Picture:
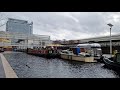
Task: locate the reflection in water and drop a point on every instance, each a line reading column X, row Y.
column 28, row 66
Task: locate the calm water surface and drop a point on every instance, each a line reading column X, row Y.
column 28, row 66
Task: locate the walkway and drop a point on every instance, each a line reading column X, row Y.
column 2, row 73
column 6, row 70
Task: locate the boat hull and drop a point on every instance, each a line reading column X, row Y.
column 111, row 64
column 77, row 58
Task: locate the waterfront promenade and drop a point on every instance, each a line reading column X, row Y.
column 2, row 73
column 6, row 70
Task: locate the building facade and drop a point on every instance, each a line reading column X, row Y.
column 19, row 26
column 23, row 41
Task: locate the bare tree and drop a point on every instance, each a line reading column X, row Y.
column 3, row 17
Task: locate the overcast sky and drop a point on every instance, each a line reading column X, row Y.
column 69, row 25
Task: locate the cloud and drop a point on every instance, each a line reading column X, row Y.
column 70, row 25
column 68, row 14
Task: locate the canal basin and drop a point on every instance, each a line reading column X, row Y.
column 29, row 66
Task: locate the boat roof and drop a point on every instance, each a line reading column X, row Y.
column 89, row 45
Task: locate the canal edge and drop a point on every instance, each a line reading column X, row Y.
column 9, row 72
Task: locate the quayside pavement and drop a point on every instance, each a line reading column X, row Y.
column 6, row 70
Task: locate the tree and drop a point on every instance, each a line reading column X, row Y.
column 3, row 17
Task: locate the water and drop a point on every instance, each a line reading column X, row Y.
column 28, row 66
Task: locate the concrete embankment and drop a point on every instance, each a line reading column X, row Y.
column 9, row 72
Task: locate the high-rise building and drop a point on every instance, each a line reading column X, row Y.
column 19, row 26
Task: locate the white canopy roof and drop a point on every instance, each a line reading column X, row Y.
column 89, row 45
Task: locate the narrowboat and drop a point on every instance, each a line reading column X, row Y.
column 47, row 53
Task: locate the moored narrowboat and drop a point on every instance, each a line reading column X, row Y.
column 47, row 53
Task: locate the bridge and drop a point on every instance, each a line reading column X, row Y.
column 104, row 41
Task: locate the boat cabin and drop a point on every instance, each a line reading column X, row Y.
column 66, row 52
column 94, row 48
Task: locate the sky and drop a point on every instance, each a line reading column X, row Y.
column 68, row 25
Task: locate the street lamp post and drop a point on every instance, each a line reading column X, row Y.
column 110, row 39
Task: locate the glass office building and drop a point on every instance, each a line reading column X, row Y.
column 20, row 26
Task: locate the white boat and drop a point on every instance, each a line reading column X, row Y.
column 94, row 48
column 69, row 55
